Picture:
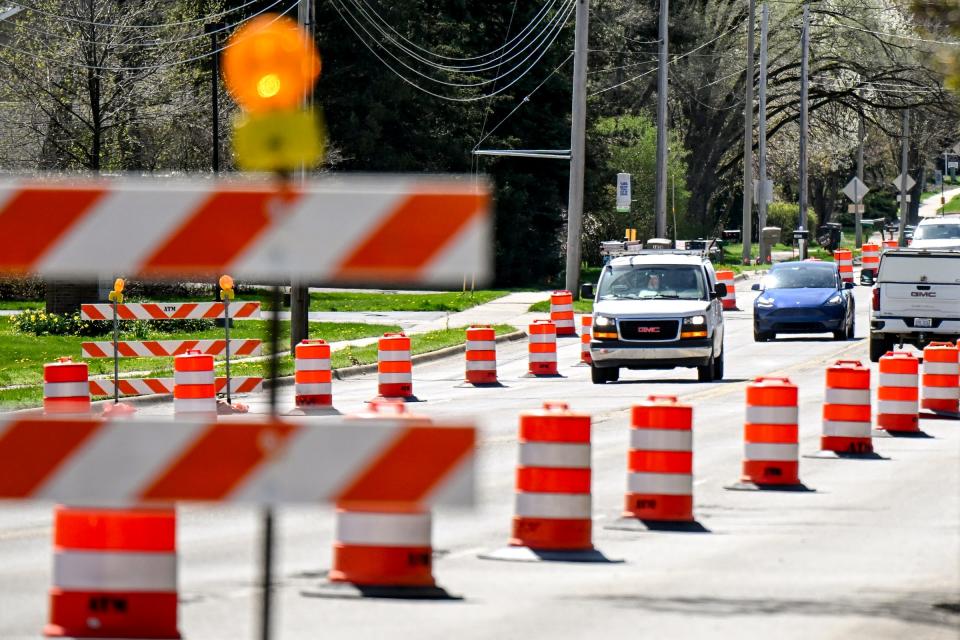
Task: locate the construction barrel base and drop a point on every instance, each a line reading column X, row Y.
column 753, row 486
column 526, row 554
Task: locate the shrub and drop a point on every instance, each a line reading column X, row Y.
column 41, row 323
column 21, row 289
column 786, row 215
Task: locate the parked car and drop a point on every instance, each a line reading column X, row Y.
column 940, row 232
column 916, row 299
column 803, row 297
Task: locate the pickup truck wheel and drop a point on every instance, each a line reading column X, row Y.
column 597, row 375
column 878, row 346
column 613, row 374
column 705, row 373
column 718, row 367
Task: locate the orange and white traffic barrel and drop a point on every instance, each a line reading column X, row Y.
column 481, row 355
column 941, row 377
column 561, row 313
column 394, row 366
column 897, row 393
column 586, row 334
column 313, row 385
column 66, row 387
column 870, row 258
column 847, row 421
column 727, row 278
column 114, row 574
column 553, row 503
column 542, row 349
column 771, row 433
column 194, row 386
column 890, row 244
column 382, row 547
column 844, row 260
column 660, row 461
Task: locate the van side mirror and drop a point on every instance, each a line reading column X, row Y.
column 866, row 278
column 720, row 290
column 848, row 285
column 755, row 286
column 586, row 291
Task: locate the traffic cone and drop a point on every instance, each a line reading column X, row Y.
column 847, row 419
column 542, row 348
column 561, row 313
column 194, row 386
column 114, row 574
column 729, row 301
column 660, row 467
column 586, row 335
column 554, row 518
column 313, row 381
column 378, row 552
column 897, row 394
column 771, row 437
column 941, row 380
column 66, row 388
column 394, row 367
column 481, row 355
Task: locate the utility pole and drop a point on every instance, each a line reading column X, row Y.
column 578, row 124
column 213, row 29
column 300, row 294
column 748, row 140
column 904, row 172
column 762, row 178
column 858, row 216
column 661, row 197
column 804, row 97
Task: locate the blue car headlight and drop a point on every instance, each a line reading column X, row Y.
column 834, row 300
column 766, row 303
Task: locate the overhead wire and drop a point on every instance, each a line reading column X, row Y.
column 151, row 67
column 155, row 43
column 555, row 23
column 510, row 44
column 401, row 76
column 165, row 25
column 672, row 60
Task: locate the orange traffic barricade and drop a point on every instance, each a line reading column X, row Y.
column 561, row 313
column 313, row 386
column 66, row 387
column 728, row 278
column 194, row 387
column 586, row 335
column 897, row 393
column 481, row 355
column 870, row 258
column 847, row 420
column 542, row 348
column 394, row 366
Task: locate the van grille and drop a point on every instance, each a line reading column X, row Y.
column 649, row 330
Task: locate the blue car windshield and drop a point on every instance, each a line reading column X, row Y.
column 646, row 282
column 800, row 278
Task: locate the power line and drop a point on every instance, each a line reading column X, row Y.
column 156, row 43
column 675, row 58
column 153, row 67
column 510, row 44
column 210, row 18
column 335, row 4
column 555, row 22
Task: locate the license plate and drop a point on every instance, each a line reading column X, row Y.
column 923, row 322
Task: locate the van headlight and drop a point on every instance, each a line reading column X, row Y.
column 694, row 321
column 603, row 321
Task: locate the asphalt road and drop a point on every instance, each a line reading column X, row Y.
column 874, row 552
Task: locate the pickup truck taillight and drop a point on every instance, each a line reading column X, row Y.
column 876, row 298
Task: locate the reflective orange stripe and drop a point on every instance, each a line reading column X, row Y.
column 846, row 413
column 661, row 461
column 897, row 393
column 772, row 433
column 551, row 480
column 108, row 529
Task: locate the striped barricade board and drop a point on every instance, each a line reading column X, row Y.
column 168, row 348
column 152, row 386
column 170, row 311
column 381, row 230
column 109, row 462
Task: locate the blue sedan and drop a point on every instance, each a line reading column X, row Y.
column 803, row 297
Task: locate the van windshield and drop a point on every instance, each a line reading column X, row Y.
column 681, row 282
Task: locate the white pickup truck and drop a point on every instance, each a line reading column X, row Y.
column 916, row 299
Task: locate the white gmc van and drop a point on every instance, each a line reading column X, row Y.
column 916, row 299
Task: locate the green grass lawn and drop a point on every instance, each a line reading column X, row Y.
column 17, row 305
column 340, row 301
column 22, row 356
column 29, row 372
column 579, row 306
column 953, row 205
